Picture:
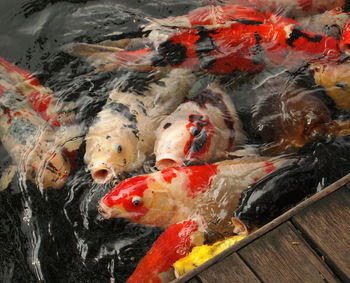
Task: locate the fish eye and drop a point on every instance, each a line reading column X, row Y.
column 118, row 148
column 342, row 85
column 136, row 200
column 194, row 131
column 167, row 125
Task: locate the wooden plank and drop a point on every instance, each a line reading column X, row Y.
column 193, row 280
column 327, row 224
column 268, row 227
column 282, row 255
column 231, row 269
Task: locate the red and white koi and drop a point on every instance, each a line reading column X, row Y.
column 244, row 42
column 293, row 8
column 40, row 98
column 205, row 128
column 43, row 155
column 123, row 137
column 208, row 193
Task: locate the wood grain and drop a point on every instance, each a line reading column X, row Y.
column 282, row 255
column 231, row 269
column 327, row 224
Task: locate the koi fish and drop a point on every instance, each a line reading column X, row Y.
column 331, row 22
column 43, row 155
column 335, row 78
column 320, row 165
column 244, row 44
column 204, row 128
column 122, row 136
column 287, row 116
column 200, row 196
column 41, row 99
column 293, row 8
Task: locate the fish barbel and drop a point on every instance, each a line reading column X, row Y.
column 203, row 128
column 122, row 136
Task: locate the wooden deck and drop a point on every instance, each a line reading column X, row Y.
column 309, row 243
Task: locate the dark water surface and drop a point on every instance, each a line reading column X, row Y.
column 57, row 236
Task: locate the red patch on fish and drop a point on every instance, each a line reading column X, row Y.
column 173, row 244
column 306, row 5
column 123, row 193
column 169, row 174
column 269, row 167
column 200, row 178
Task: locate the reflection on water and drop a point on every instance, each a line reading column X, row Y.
column 58, row 235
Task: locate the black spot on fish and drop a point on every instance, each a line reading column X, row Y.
column 124, row 110
column 199, row 142
column 209, row 96
column 169, row 53
column 204, row 45
column 248, row 22
column 143, row 109
column 124, row 161
column 297, row 33
column 167, row 125
column 207, row 62
column 108, row 137
column 22, row 129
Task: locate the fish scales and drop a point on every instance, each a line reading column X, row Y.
column 122, row 136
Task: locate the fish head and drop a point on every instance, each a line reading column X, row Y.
column 109, row 152
column 182, row 140
column 141, row 199
column 335, row 78
column 47, row 169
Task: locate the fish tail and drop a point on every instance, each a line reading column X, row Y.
column 175, row 243
column 342, row 128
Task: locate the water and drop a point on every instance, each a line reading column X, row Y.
column 58, row 236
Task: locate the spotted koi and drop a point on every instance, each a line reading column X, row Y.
column 204, row 128
column 122, row 136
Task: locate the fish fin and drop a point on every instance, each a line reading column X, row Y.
column 110, row 58
column 170, row 22
column 7, row 177
column 175, row 243
column 239, row 227
column 243, row 152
